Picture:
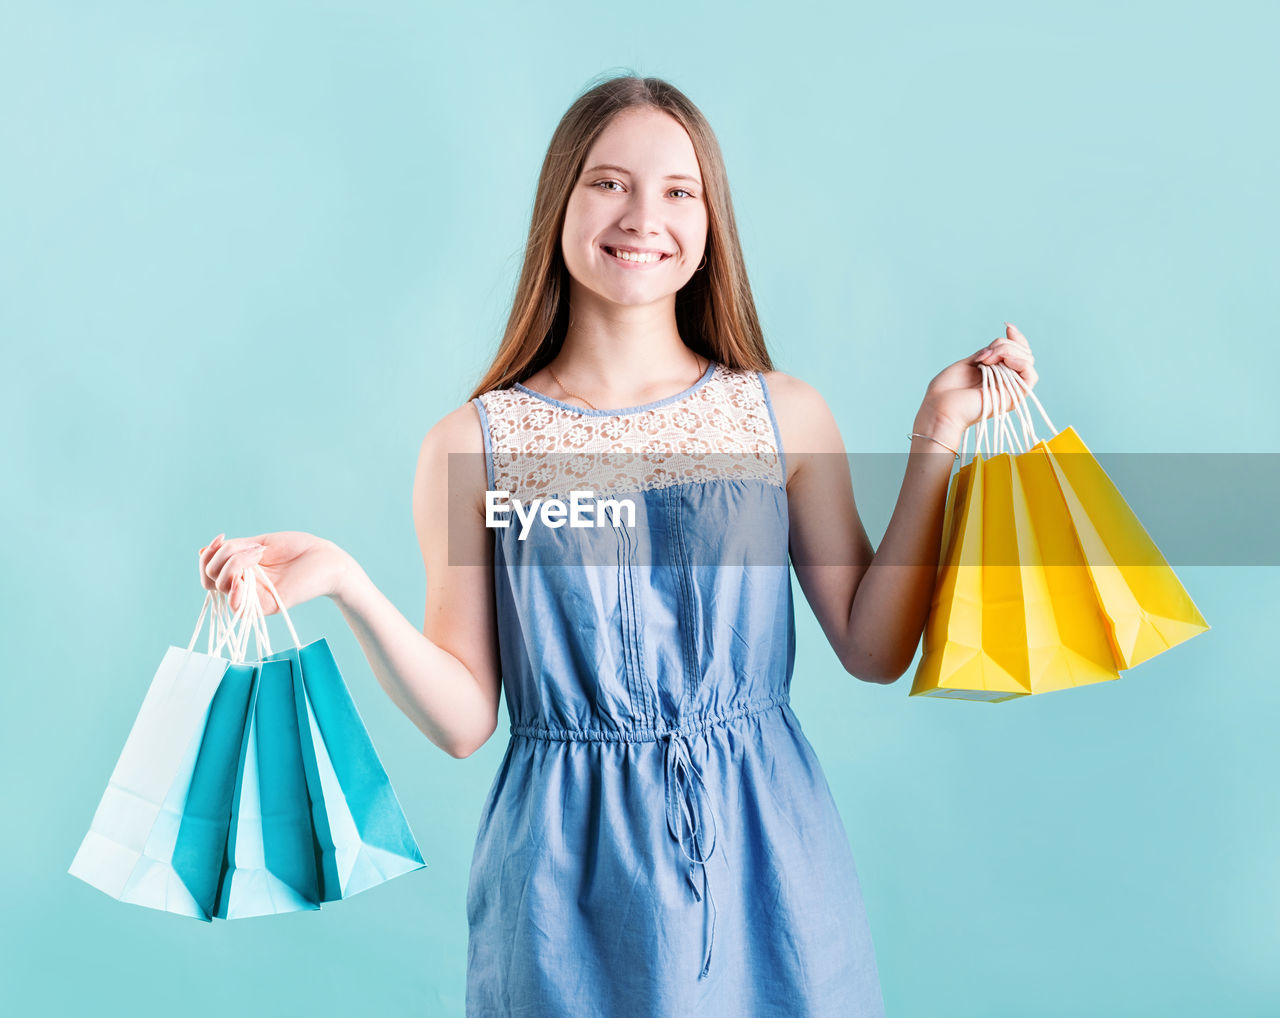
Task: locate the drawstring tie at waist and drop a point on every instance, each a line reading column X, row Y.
column 686, row 794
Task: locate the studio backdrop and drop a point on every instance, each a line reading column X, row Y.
column 250, row 253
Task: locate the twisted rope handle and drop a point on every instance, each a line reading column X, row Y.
column 981, row 441
column 989, row 442
column 231, row 630
column 1006, row 394
column 1017, row 380
column 1000, row 382
column 1019, row 405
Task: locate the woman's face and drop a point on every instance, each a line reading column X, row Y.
column 640, row 194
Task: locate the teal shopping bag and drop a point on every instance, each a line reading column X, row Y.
column 199, row 856
column 362, row 836
column 270, row 858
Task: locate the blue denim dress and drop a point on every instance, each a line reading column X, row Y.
column 660, row 838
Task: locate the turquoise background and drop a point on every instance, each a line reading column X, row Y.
column 251, row 252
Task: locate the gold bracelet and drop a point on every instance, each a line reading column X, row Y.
column 944, row 445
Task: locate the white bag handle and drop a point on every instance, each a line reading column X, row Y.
column 252, row 621
column 999, row 419
column 208, row 598
column 232, row 630
column 981, row 440
column 1006, row 393
column 1000, row 381
column 1019, row 400
column 219, row 623
column 1004, row 377
column 1017, row 380
column 993, row 441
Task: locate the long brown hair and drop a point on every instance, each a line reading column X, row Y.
column 715, row 312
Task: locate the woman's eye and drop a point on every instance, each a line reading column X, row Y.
column 611, row 185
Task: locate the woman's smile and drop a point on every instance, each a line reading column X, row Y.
column 633, row 258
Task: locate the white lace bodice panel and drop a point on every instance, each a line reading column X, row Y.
column 721, row 428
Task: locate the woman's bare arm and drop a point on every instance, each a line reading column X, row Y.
column 871, row 604
column 445, row 678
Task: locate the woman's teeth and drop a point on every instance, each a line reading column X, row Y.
column 630, row 256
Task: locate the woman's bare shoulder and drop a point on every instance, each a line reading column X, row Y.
column 784, row 388
column 459, row 430
column 804, row 419
column 453, row 452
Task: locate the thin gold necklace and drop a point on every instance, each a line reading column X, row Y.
column 584, row 399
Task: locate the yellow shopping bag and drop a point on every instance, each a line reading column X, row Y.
column 1009, row 618
column 1047, row 580
column 966, row 653
column 1068, row 638
column 1147, row 608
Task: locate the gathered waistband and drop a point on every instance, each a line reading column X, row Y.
column 691, row 727
column 687, row 796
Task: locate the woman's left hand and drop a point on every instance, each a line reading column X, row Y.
column 953, row 401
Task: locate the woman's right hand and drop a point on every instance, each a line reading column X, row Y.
column 301, row 566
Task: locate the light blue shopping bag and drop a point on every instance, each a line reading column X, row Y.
column 131, row 850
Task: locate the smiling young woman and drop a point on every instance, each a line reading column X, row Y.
column 660, row 838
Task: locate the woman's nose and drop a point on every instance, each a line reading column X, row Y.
column 642, row 216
